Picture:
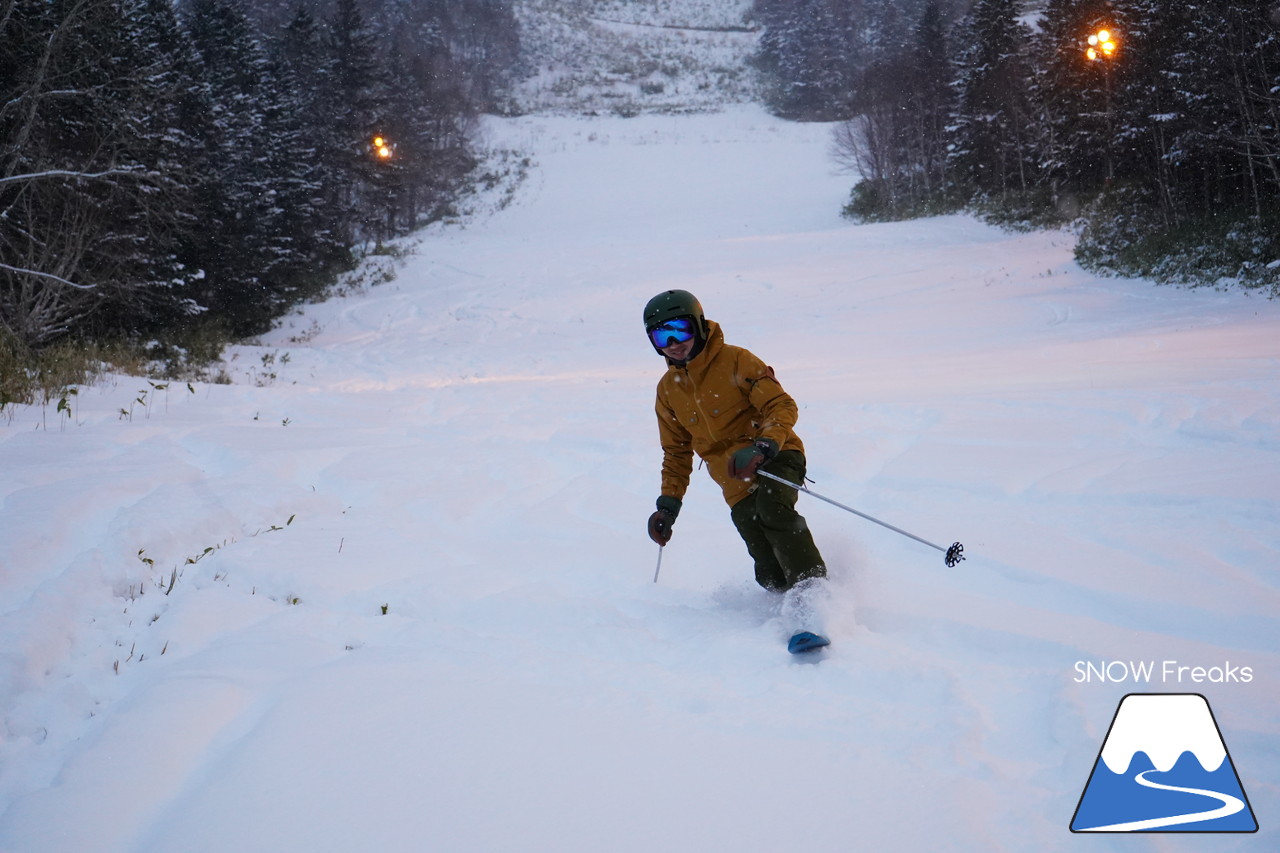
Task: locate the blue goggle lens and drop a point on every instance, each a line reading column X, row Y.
column 675, row 331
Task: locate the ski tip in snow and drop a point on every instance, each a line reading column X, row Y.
column 806, row 641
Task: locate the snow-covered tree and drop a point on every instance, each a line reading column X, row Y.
column 929, row 98
column 1228, row 69
column 316, row 197
column 94, row 174
column 1076, row 95
column 1150, row 115
column 481, row 39
column 357, row 95
column 244, row 247
column 809, row 55
column 897, row 142
column 993, row 126
column 429, row 117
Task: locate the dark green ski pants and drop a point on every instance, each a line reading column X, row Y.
column 777, row 536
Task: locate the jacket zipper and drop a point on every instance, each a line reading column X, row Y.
column 697, row 404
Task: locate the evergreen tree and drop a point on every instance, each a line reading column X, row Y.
column 1075, row 96
column 305, row 246
column 1228, row 68
column 358, row 111
column 483, row 43
column 244, row 249
column 159, row 110
column 304, row 68
column 270, row 16
column 929, row 100
column 809, row 54
column 1197, row 193
column 993, row 127
column 897, row 142
column 150, row 171
column 93, row 200
column 1148, row 114
column 428, row 117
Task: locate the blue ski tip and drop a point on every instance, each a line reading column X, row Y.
column 806, row 641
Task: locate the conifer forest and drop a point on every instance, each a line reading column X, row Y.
column 212, row 163
column 1152, row 124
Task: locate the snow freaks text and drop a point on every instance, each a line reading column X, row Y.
column 1161, row 672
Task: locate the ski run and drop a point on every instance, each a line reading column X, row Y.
column 390, row 589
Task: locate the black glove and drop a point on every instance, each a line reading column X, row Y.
column 743, row 463
column 660, row 522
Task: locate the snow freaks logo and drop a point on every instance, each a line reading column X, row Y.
column 1164, row 767
column 1166, row 672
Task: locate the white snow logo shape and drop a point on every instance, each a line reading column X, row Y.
column 1164, row 767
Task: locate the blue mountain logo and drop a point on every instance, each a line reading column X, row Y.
column 1164, row 767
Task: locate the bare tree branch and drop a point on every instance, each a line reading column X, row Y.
column 68, row 173
column 59, row 279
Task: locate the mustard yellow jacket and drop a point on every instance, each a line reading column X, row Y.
column 722, row 400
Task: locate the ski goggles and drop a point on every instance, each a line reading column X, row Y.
column 674, row 331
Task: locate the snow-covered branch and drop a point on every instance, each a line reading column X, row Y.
column 67, row 173
column 38, row 273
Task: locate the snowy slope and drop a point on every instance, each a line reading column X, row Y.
column 627, row 57
column 414, row 606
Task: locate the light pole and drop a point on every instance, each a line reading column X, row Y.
column 1100, row 48
column 383, row 151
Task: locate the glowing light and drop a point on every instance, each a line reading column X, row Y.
column 1102, row 45
column 384, row 152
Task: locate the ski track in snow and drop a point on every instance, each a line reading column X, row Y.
column 1230, row 805
column 412, row 603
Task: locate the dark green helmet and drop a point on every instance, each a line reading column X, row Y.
column 671, row 304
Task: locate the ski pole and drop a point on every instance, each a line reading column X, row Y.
column 655, row 571
column 954, row 554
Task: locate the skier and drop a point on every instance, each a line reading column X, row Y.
column 725, row 404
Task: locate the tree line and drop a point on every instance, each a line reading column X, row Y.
column 214, row 163
column 1163, row 143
